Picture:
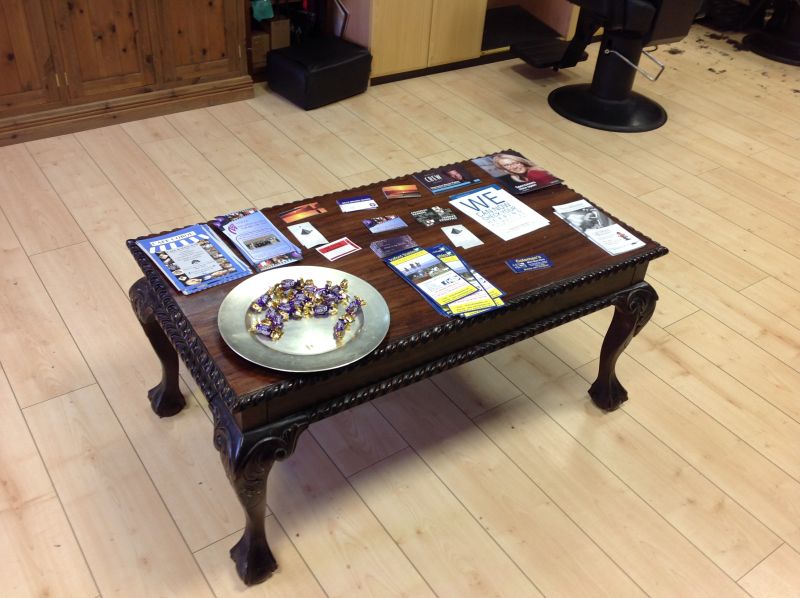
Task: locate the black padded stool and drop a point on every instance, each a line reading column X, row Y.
column 319, row 71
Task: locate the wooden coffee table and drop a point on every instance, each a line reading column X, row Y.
column 259, row 413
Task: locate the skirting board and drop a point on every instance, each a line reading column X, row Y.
column 69, row 119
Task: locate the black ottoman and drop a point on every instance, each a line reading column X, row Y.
column 319, row 71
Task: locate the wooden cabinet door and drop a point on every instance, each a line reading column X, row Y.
column 106, row 47
column 200, row 39
column 27, row 73
column 456, row 30
column 400, row 34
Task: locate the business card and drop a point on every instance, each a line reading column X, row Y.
column 460, row 236
column 307, row 234
column 381, row 224
column 354, row 204
column 528, row 264
column 338, row 249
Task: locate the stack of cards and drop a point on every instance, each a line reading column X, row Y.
column 386, row 247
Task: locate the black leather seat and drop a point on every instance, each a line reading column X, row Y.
column 319, row 71
column 609, row 102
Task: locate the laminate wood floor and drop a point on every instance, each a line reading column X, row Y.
column 498, row 478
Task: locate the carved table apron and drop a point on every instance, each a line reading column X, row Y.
column 259, row 413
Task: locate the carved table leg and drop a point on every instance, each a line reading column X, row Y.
column 165, row 398
column 633, row 309
column 248, row 459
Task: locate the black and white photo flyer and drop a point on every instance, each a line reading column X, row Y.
column 499, row 211
column 597, row 227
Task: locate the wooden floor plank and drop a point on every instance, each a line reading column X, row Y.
column 354, row 555
column 302, row 171
column 39, row 554
column 602, row 505
column 41, row 221
column 150, row 129
column 778, row 298
column 106, row 217
column 741, row 358
column 405, row 132
column 778, row 575
column 562, row 560
column 732, row 308
column 448, row 547
column 370, row 142
column 230, row 156
column 725, row 532
column 475, row 387
column 749, row 478
column 208, row 191
column 50, row 364
column 357, row 438
column 128, row 537
column 291, row 580
column 199, row 498
column 134, row 174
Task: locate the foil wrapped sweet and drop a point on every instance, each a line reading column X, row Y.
column 297, row 299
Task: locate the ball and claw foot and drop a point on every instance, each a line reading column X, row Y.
column 254, row 560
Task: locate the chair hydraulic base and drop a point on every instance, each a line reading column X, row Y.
column 632, row 114
column 780, row 48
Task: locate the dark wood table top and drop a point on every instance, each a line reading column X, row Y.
column 573, row 256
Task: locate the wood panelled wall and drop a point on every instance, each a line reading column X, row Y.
column 74, row 64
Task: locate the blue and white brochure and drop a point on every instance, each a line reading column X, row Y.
column 499, row 211
column 194, row 258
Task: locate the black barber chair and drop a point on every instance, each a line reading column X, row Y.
column 609, row 102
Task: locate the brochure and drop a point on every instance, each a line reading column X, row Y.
column 439, row 180
column 479, row 301
column 499, row 211
column 517, row 173
column 431, row 277
column 597, row 227
column 263, row 245
column 194, row 258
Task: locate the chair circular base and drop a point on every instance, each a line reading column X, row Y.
column 634, row 114
column 775, row 47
